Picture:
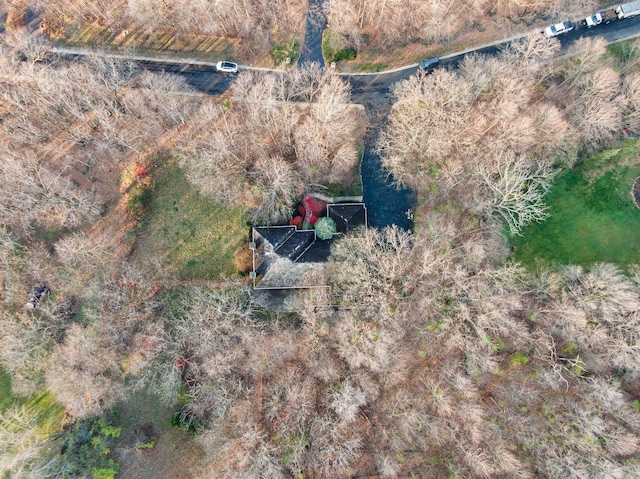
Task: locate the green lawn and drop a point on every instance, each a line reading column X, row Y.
column 197, row 238
column 6, row 398
column 593, row 217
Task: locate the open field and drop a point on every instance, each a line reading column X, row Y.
column 593, row 218
column 196, row 238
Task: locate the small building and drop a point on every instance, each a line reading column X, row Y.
column 348, row 216
column 287, row 258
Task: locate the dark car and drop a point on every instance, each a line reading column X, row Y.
column 428, row 63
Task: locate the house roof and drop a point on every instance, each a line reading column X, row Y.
column 347, row 216
column 275, row 235
column 278, row 253
column 285, row 257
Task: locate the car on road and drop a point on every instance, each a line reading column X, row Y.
column 428, row 63
column 558, row 29
column 594, row 20
column 227, row 67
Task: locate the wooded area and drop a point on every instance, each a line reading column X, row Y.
column 250, row 19
column 274, row 137
column 437, row 357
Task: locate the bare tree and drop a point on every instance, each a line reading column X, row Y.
column 514, row 191
column 11, row 265
column 24, row 438
column 84, row 372
column 279, row 134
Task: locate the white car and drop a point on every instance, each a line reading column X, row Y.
column 594, row 20
column 227, row 67
column 557, row 29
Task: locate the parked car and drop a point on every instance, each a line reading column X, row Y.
column 428, row 63
column 605, row 16
column 558, row 29
column 227, row 67
column 593, row 20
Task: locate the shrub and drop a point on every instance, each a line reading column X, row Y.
column 139, row 199
column 243, row 259
column 290, row 50
column 325, row 228
column 336, row 47
column 87, row 447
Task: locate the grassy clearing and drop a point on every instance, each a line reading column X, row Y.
column 336, row 47
column 49, row 411
column 149, row 446
column 196, row 237
column 6, row 398
column 287, row 52
column 593, row 217
column 625, row 55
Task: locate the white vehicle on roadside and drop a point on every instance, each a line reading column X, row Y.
column 627, row 10
column 593, row 20
column 227, row 67
column 558, row 29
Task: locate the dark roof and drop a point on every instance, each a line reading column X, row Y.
column 318, row 252
column 277, row 247
column 276, row 235
column 296, row 245
column 347, row 216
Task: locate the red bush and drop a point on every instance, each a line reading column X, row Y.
column 296, row 221
column 142, row 170
column 316, row 206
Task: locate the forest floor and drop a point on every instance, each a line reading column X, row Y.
column 592, row 214
column 167, row 45
column 173, row 450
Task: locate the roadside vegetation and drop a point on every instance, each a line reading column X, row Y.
column 247, row 30
column 394, row 33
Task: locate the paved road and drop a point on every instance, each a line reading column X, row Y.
column 368, row 87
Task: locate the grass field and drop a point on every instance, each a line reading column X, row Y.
column 593, row 217
column 196, row 237
column 6, row 398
